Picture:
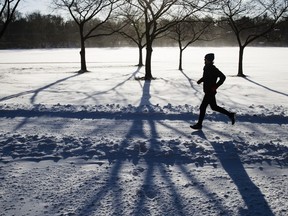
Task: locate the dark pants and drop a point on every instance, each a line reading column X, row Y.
column 210, row 99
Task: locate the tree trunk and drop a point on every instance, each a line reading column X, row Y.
column 149, row 50
column 240, row 63
column 82, row 52
column 83, row 60
column 180, row 59
column 3, row 28
column 140, row 62
column 148, row 73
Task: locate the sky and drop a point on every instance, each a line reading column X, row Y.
column 28, row 6
column 44, row 7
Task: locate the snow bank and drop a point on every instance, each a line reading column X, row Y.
column 100, row 146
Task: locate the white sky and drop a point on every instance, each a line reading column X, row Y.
column 44, row 6
column 28, row 6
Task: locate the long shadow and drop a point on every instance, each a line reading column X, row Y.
column 114, row 88
column 117, row 160
column 273, row 119
column 149, row 135
column 196, row 92
column 91, row 114
column 189, row 79
column 155, row 183
column 231, row 163
column 265, row 87
column 35, row 92
column 149, row 188
column 206, row 192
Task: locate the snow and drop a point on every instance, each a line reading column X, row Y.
column 103, row 143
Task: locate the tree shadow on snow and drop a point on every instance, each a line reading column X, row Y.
column 231, row 163
column 117, row 161
column 114, row 88
column 150, row 190
column 156, row 185
column 265, row 87
column 34, row 96
column 37, row 91
column 189, row 79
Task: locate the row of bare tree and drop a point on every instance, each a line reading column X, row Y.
column 144, row 21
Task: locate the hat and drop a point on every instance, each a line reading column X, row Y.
column 209, row 57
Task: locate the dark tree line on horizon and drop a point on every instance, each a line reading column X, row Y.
column 37, row 30
column 146, row 24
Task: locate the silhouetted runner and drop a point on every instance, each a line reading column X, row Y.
column 210, row 84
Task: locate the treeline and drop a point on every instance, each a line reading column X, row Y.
column 36, row 30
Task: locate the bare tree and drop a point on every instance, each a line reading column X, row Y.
column 7, row 11
column 252, row 19
column 134, row 29
column 84, row 13
column 153, row 11
column 189, row 31
column 161, row 15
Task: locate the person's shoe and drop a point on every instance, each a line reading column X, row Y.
column 196, row 126
column 232, row 118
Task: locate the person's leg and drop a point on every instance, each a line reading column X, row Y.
column 210, row 99
column 203, row 106
column 215, row 107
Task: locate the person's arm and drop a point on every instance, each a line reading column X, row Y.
column 200, row 81
column 221, row 80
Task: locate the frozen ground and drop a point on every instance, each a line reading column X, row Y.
column 102, row 143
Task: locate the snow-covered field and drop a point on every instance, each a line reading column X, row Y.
column 104, row 143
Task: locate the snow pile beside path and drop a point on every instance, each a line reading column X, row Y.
column 108, row 108
column 252, row 110
column 167, row 151
column 37, row 148
column 252, row 143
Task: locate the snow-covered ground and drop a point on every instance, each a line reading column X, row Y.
column 104, row 143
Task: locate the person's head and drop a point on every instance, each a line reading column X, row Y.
column 209, row 58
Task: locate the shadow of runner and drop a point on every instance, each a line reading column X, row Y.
column 231, row 163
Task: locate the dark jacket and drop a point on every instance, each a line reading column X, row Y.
column 210, row 77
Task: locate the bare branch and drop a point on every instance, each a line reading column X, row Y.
column 7, row 12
